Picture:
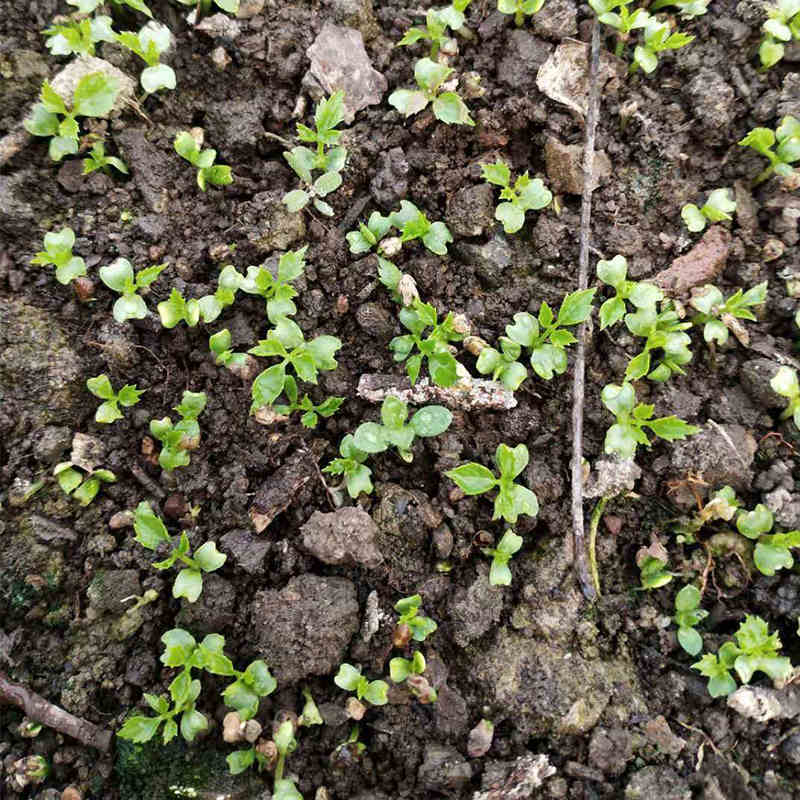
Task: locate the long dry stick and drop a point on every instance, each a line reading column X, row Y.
column 579, row 542
column 40, row 710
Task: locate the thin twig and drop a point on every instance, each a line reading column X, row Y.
column 579, row 543
column 40, row 710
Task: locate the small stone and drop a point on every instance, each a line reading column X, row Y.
column 345, row 536
column 121, row 519
column 470, row 211
column 375, row 321
column 755, row 376
column 71, row 793
column 701, row 265
column 659, row 733
column 473, row 611
column 442, row 542
column 610, row 750
column 250, row 8
column 491, row 260
column 480, row 739
column 773, row 249
column 220, row 58
column 556, row 19
column 661, row 782
column 246, row 550
column 565, row 167
column 50, row 444
column 88, row 452
column 389, row 184
column 443, row 770
column 214, row 610
column 268, row 224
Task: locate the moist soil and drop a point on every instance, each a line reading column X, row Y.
column 602, row 690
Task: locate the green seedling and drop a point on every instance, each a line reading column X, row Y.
column 203, row 7
column 547, row 338
column 782, row 26
column 627, row 433
column 88, row 6
column 82, row 487
column 519, row 8
column 687, row 614
column 402, row 286
column 220, row 345
column 329, row 158
column 410, row 623
column 524, row 195
column 721, row 505
column 285, row 743
column 351, row 680
column 688, row 9
column 94, row 96
column 177, row 309
column 286, row 342
column 755, row 650
column 79, row 37
column 374, row 437
column 653, row 573
column 657, row 39
column 512, row 499
column 149, row 44
column 433, row 348
column 58, row 252
column 119, row 277
column 97, row 159
column 784, row 383
column 369, row 235
column 447, row 106
column 152, row 534
column 357, row 476
column 413, row 224
column 277, row 289
column 772, row 552
column 787, row 151
column 188, row 147
column 718, row 208
column 718, row 316
column 402, row 668
column 499, row 571
column 310, row 714
column 311, row 413
column 437, row 21
column 615, row 14
column 179, row 438
column 108, row 410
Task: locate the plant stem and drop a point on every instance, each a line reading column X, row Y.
column 594, row 523
column 762, row 176
column 519, row 18
column 279, row 767
column 620, row 46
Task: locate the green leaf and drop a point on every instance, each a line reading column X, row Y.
column 87, row 491
column 376, row 693
column 218, row 175
column 638, row 366
column 687, row 598
column 296, row 200
column 327, row 183
column 100, row 386
column 443, row 369
column 511, row 216
column 430, row 74
column 192, row 723
column 431, row 421
column 621, row 439
column 178, row 647
column 150, row 530
column 139, row 729
column 672, row 428
column 117, row 275
column 240, row 760
column 535, row 195
column 436, row 238
column 613, row 272
column 267, row 387
column 756, row 522
column 548, row 360
column 690, row 640
column 94, row 95
column 524, row 330
column 449, row 108
column 472, row 478
column 41, row 122
column 693, row 218
column 498, row 173
column 188, row 584
column 160, row 76
column 347, row 677
column 370, row 438
column 208, row 557
column 645, row 58
column 408, row 102
column 515, row 501
column 576, row 307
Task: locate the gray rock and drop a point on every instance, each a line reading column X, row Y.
column 523, row 55
column 110, row 587
column 450, row 712
column 268, row 224
column 610, row 750
column 547, row 688
column 246, row 550
column 473, row 611
column 305, row 628
column 46, row 531
column 785, row 506
column 50, row 443
column 345, row 536
column 154, row 170
column 556, row 19
column 214, row 610
column 375, row 321
column 722, row 454
column 339, row 61
column 389, row 185
column 657, row 782
column 790, row 749
column 470, row 211
column 443, row 770
column 490, row 260
column 713, row 103
column 612, row 476
column 565, row 166
column 789, row 102
column 755, row 376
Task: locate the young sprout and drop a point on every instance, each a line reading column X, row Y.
column 83, row 488
column 787, row 137
column 277, row 289
column 369, row 235
column 437, row 21
column 177, row 439
column 152, row 533
column 119, row 277
column 755, row 650
column 149, row 44
column 328, row 158
column 286, row 342
column 782, row 26
column 657, row 39
column 310, row 714
column 108, row 411
column 430, row 76
column 771, row 552
column 410, row 671
column 203, row 7
column 79, row 37
column 357, row 476
column 615, row 14
column 785, row 383
column 188, row 147
column 351, row 680
column 411, row 624
column 547, row 338
column 311, row 413
column 373, row 437
column 688, row 9
column 88, row 6
column 524, row 195
column 177, row 309
column 717, row 208
column 721, row 505
column 413, row 224
column 402, row 286
column 718, row 316
column 284, row 788
column 58, row 252
column 519, row 8
column 653, row 573
column 433, row 348
column 499, row 571
column 687, row 614
column 627, row 433
column 512, row 499
column 94, row 96
column 97, row 159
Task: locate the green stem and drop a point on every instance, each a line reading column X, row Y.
column 762, row 176
column 434, row 49
column 594, row 523
column 279, row 767
column 519, row 18
column 620, row 46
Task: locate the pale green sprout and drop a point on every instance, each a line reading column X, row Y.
column 718, row 316
column 350, row 679
column 97, row 159
column 88, row 6
column 94, row 96
column 412, row 224
column 519, row 8
column 653, row 573
column 277, row 289
column 220, row 345
column 782, row 26
column 149, row 44
column 108, row 411
column 203, row 160
column 58, row 252
column 419, row 626
column 718, row 208
column 430, row 76
column 177, row 309
column 657, row 39
column 687, row 614
column 152, row 534
column 350, row 464
column 525, row 195
column 178, row 438
column 311, row 412
column 499, row 571
column 772, row 552
column 627, row 433
column 204, row 7
column 437, row 21
column 119, row 277
column 79, row 37
column 785, row 383
column 615, row 14
column 401, row 668
column 83, row 488
column 688, row 9
column 787, row 138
